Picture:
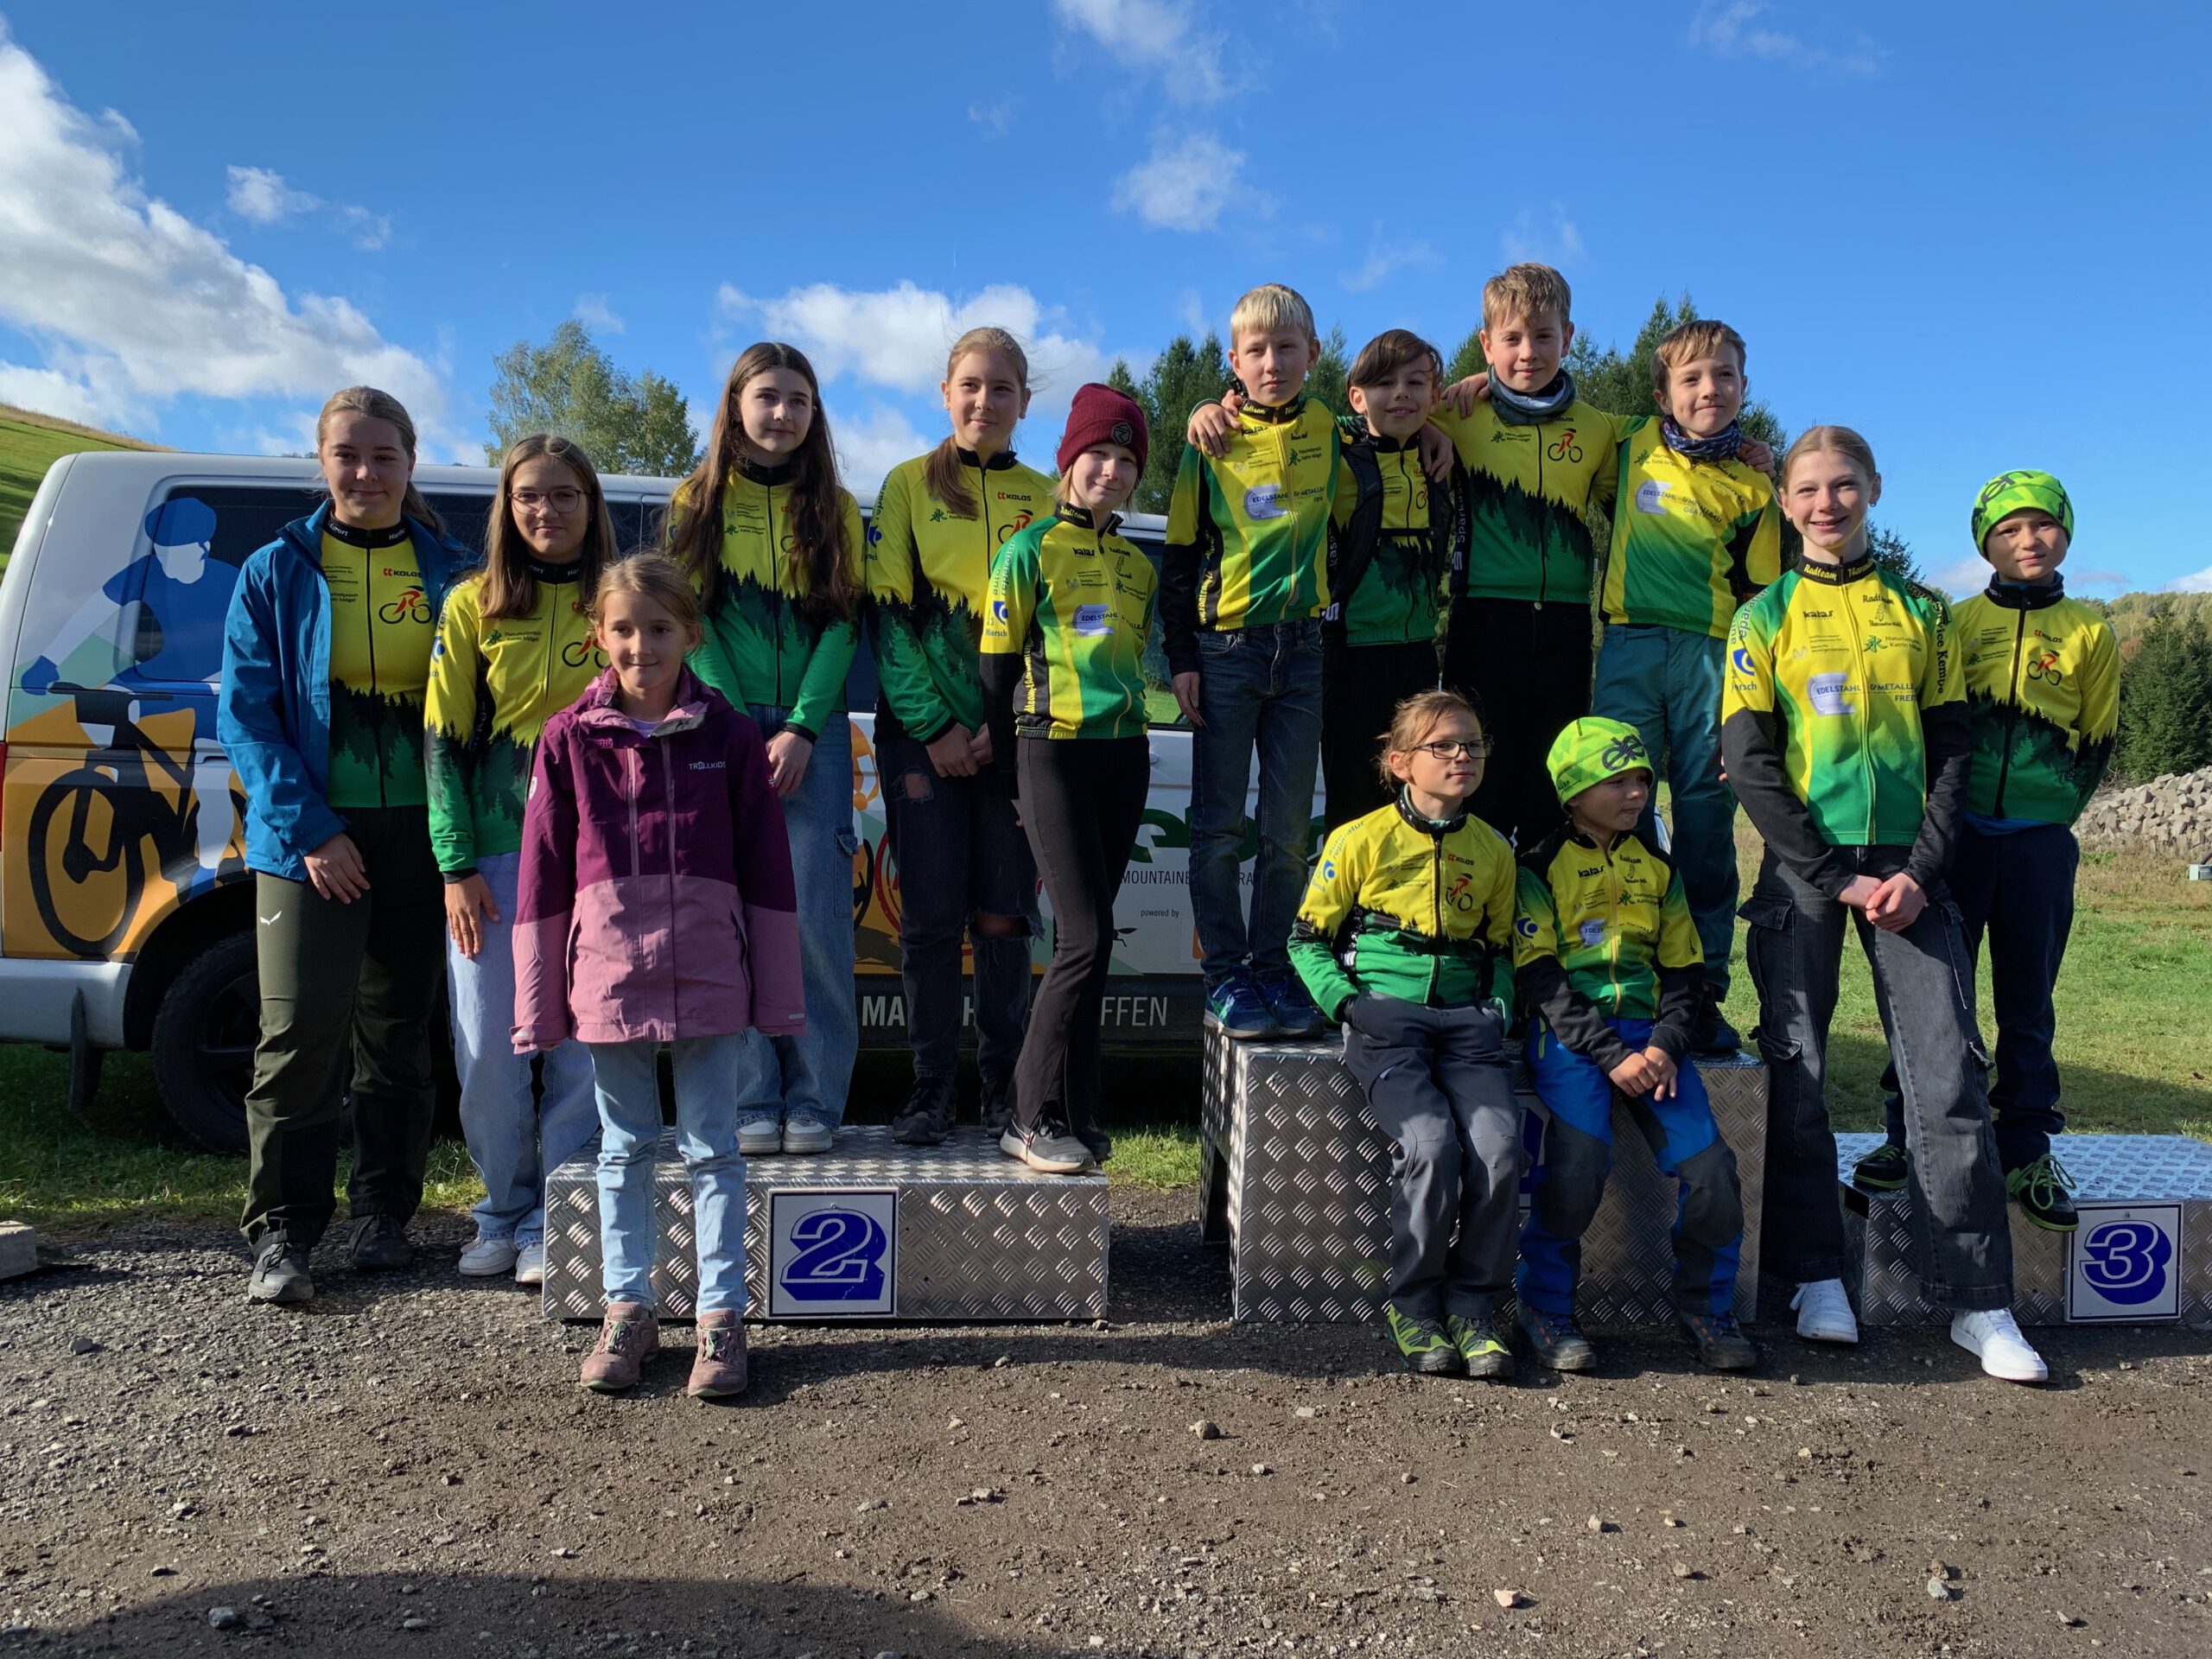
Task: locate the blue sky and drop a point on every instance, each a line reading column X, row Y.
column 1976, row 232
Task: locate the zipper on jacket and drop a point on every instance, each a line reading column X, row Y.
column 774, row 585
column 1436, row 910
column 2011, row 713
column 1543, row 554
column 1866, row 701
column 668, row 798
column 637, row 788
column 1613, row 908
column 376, row 691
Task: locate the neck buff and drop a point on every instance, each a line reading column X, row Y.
column 1721, row 446
column 1526, row 408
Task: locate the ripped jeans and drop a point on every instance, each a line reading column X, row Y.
column 964, row 867
column 1923, row 989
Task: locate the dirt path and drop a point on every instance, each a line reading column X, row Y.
column 409, row 1468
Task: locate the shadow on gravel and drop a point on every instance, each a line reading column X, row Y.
column 505, row 1616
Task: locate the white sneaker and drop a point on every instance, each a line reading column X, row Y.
column 1824, row 1313
column 1992, row 1336
column 759, row 1137
column 803, row 1132
column 530, row 1265
column 488, row 1258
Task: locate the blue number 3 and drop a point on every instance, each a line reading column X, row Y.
column 840, row 1257
column 2126, row 1261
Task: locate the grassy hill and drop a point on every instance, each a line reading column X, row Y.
column 30, row 444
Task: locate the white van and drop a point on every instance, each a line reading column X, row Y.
column 125, row 906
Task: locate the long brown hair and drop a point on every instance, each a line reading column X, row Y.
column 508, row 588
column 818, row 576
column 943, row 473
column 368, row 401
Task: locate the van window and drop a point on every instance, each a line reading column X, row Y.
column 176, row 595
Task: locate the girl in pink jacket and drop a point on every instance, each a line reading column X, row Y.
column 656, row 906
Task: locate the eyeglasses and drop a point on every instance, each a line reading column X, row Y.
column 560, row 500
column 1475, row 748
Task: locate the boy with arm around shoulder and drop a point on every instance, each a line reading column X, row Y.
column 2042, row 679
column 1605, row 956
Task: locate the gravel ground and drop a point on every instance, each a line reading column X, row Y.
column 409, row 1468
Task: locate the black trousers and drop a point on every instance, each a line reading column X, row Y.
column 1082, row 801
column 1361, row 689
column 1527, row 667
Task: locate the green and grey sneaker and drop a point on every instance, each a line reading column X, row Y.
column 1721, row 1344
column 1422, row 1341
column 2043, row 1188
column 1882, row 1170
column 1480, row 1343
column 1557, row 1342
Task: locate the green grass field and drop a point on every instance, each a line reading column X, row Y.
column 29, row 444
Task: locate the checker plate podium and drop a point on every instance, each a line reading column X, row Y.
column 870, row 1230
column 2142, row 1252
column 1295, row 1174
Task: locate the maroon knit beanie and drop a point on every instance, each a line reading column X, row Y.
column 1102, row 415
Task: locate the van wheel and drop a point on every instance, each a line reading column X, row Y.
column 204, row 1037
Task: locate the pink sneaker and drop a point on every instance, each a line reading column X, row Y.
column 718, row 1368
column 630, row 1337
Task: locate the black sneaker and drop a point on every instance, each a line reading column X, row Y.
column 1714, row 1037
column 1098, row 1142
column 280, row 1272
column 996, row 1103
column 1883, row 1170
column 1557, row 1342
column 1721, row 1344
column 926, row 1118
column 2044, row 1190
column 377, row 1244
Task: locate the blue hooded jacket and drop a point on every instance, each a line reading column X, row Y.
column 273, row 715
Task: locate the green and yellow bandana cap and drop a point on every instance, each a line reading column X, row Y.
column 2008, row 493
column 1592, row 750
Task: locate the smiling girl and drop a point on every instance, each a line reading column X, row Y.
column 775, row 550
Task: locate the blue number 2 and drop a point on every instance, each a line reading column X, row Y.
column 2125, row 1261
column 840, row 1257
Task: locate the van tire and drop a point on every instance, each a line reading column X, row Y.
column 204, row 1036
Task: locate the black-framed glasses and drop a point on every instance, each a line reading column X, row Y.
column 1475, row 748
column 564, row 499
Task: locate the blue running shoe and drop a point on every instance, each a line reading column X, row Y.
column 1235, row 1009
column 1293, row 1011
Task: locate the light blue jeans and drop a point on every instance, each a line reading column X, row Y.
column 706, row 1134
column 513, row 1139
column 812, row 1072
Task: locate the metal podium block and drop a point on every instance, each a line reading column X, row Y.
column 871, row 1229
column 2143, row 1251
column 1296, row 1172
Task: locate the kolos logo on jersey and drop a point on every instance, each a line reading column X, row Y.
column 833, row 1254
column 2124, row 1261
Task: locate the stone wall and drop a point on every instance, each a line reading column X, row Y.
column 2171, row 815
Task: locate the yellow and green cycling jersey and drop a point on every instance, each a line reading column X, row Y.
column 761, row 645
column 1692, row 540
column 1528, row 487
column 1402, row 907
column 1247, row 534
column 2042, row 676
column 928, row 572
column 494, row 685
column 1073, row 603
column 1614, row 918
column 1841, row 669
column 1390, row 591
column 380, row 639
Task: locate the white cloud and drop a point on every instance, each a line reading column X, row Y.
column 133, row 305
column 1191, row 312
column 593, row 311
column 1965, row 576
column 368, row 231
column 260, row 196
column 993, row 118
column 898, row 337
column 1156, row 37
column 1385, row 260
column 1555, row 244
column 872, row 443
column 1730, row 29
column 2199, row 583
column 1184, row 184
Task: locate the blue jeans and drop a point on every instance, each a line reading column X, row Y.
column 1579, row 1154
column 706, row 1134
column 1257, row 687
column 513, row 1138
column 1666, row 683
column 812, row 1072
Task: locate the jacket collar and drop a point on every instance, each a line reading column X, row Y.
column 1272, row 414
column 306, row 537
column 599, row 708
column 1429, row 826
column 1080, row 517
column 997, row 463
column 1383, row 446
column 2026, row 596
column 1837, row 575
column 768, row 477
column 355, row 535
